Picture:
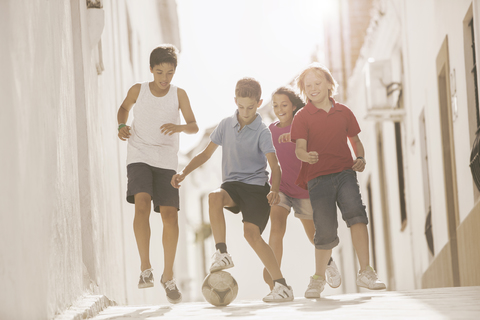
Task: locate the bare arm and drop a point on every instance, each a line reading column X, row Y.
column 357, row 145
column 196, row 162
column 125, row 107
column 190, row 125
column 273, row 196
column 302, row 153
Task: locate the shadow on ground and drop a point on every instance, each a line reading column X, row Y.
column 302, row 305
column 138, row 314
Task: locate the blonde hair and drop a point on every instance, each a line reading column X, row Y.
column 318, row 69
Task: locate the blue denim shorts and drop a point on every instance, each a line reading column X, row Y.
column 326, row 193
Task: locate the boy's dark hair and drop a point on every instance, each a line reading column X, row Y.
column 292, row 96
column 166, row 53
column 248, row 88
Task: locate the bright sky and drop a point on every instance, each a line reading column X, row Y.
column 225, row 40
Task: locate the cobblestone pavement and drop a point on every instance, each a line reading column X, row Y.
column 439, row 303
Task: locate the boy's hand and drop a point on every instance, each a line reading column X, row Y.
column 286, row 137
column 273, row 198
column 312, row 157
column 358, row 165
column 176, row 179
column 170, row 128
column 124, row 133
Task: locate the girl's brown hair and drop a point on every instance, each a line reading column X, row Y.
column 292, row 96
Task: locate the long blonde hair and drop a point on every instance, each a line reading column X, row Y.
column 319, row 69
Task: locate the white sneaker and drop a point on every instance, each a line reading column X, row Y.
column 332, row 275
column 315, row 287
column 280, row 293
column 368, row 279
column 221, row 261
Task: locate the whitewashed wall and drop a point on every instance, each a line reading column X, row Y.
column 65, row 227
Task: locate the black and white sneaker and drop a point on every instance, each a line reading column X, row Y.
column 146, row 279
column 221, row 261
column 280, row 293
column 173, row 294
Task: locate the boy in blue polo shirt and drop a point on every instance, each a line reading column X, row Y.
column 246, row 148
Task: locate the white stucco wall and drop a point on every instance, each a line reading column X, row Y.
column 39, row 193
column 65, row 227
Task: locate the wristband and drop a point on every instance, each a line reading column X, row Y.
column 121, row 125
column 363, row 159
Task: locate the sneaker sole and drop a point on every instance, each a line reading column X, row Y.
column 334, row 287
column 312, row 296
column 220, row 268
column 146, row 285
column 366, row 287
column 279, row 300
column 174, row 301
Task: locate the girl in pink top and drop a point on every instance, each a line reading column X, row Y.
column 285, row 104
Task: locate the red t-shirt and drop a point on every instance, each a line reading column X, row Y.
column 326, row 133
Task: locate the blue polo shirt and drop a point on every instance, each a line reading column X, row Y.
column 243, row 151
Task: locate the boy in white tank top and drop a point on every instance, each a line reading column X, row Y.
column 152, row 159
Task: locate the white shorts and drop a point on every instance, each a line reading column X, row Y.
column 301, row 207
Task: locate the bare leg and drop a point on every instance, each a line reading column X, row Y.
column 360, row 242
column 321, row 260
column 169, row 239
column 278, row 218
column 262, row 249
column 141, row 228
column 309, row 227
column 216, row 201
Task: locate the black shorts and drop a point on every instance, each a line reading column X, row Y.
column 251, row 200
column 154, row 181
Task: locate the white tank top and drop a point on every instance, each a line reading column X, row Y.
column 147, row 144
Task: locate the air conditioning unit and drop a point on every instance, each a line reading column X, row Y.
column 382, row 92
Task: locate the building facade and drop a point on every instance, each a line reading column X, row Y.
column 65, row 227
column 413, row 89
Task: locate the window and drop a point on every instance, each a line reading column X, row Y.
column 473, row 70
column 401, row 174
column 472, row 90
column 426, row 184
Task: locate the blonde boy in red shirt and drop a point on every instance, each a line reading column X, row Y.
column 321, row 130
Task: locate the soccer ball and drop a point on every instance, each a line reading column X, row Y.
column 220, row 288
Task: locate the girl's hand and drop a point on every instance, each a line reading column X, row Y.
column 286, row 137
column 312, row 157
column 273, row 198
column 358, row 165
column 170, row 128
column 176, row 179
column 124, row 133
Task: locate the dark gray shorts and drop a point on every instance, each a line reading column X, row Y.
column 154, row 181
column 251, row 200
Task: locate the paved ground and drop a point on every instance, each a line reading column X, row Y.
column 440, row 303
